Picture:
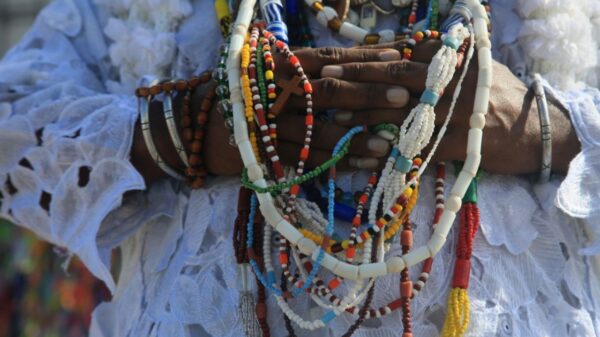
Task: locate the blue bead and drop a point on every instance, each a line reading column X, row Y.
column 328, row 317
column 343, row 212
column 403, row 164
column 395, row 153
column 429, row 97
column 451, row 42
column 271, row 277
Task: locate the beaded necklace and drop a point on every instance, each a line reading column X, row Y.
column 393, row 193
column 394, row 264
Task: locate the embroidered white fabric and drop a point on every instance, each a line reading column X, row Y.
column 65, row 141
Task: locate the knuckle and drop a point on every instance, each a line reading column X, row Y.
column 354, row 70
column 396, row 69
column 330, row 54
column 330, row 87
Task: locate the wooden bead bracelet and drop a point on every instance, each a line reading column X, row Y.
column 192, row 129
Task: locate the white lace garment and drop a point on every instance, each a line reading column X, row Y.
column 66, row 122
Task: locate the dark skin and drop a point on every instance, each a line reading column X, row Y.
column 371, row 86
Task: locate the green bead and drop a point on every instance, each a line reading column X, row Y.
column 471, row 194
column 403, row 164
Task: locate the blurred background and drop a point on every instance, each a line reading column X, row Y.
column 43, row 292
column 15, row 18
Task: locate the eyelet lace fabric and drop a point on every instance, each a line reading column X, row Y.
column 66, row 122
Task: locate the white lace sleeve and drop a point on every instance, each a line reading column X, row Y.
column 64, row 143
column 578, row 193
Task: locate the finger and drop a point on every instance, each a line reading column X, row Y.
column 374, row 117
column 422, row 51
column 411, row 75
column 325, row 136
column 313, row 59
column 331, row 93
column 289, row 155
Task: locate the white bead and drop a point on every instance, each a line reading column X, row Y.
column 445, row 223
column 477, row 121
column 246, row 152
column 480, row 13
column 266, row 200
column 387, row 35
column 484, row 78
column 453, row 203
column 353, row 32
column 372, row 270
column 461, row 185
column 482, row 99
column 480, row 28
column 325, row 15
column 306, row 246
column 435, row 243
column 254, row 172
column 484, row 42
column 395, row 265
column 474, row 141
column 484, row 56
column 289, row 232
column 328, row 261
column 385, row 134
column 347, row 271
column 472, row 163
column 416, row 256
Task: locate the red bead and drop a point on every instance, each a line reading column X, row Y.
column 395, row 304
column 295, row 189
column 308, row 87
column 350, row 252
column 294, row 60
column 304, row 154
column 406, row 238
column 278, row 169
column 334, row 283
column 406, row 288
column 427, row 265
column 283, row 259
column 462, row 271
column 309, row 120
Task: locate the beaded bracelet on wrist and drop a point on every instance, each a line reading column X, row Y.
column 195, row 172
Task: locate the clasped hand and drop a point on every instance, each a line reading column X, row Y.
column 372, row 86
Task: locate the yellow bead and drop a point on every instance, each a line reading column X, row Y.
column 345, row 244
column 269, row 74
column 317, row 6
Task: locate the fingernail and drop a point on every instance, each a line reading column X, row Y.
column 363, row 163
column 378, row 145
column 343, row 116
column 397, row 95
column 389, row 55
column 332, row 71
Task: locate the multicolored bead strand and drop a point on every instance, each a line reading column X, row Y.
column 259, row 98
column 457, row 319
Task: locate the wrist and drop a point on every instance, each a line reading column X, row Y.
column 565, row 143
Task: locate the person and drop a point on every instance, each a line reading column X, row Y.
column 77, row 173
